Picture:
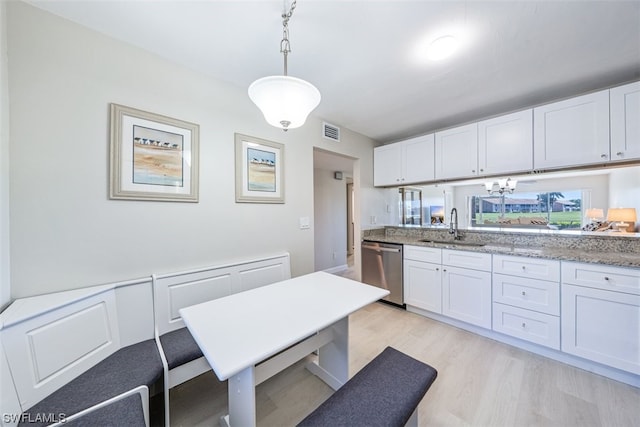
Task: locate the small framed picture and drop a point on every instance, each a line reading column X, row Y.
column 153, row 157
column 259, row 170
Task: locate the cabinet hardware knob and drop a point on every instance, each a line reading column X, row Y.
column 444, row 269
column 437, row 269
column 473, row 171
column 619, row 154
column 524, row 268
column 524, row 324
column 523, row 293
column 606, row 278
column 481, row 170
column 603, row 156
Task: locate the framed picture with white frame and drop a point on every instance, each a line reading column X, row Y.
column 259, row 170
column 153, row 157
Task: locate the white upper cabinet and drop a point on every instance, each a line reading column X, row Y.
column 572, row 132
column 404, row 162
column 505, row 143
column 625, row 122
column 457, row 152
column 387, row 165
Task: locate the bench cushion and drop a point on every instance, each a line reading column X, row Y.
column 125, row 412
column 383, row 393
column 179, row 347
column 130, row 367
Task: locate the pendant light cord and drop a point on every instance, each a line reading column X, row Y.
column 285, row 46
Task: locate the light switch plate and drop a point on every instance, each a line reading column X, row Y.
column 304, row 223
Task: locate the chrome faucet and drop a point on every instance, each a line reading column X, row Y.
column 453, row 224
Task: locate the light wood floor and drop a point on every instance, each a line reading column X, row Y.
column 480, row 382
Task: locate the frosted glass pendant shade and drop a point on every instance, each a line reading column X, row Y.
column 284, row 101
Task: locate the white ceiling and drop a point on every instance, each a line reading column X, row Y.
column 362, row 55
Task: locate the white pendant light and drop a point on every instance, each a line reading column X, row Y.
column 284, row 101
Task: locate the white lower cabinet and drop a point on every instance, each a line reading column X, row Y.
column 466, row 295
column 592, row 313
column 423, row 285
column 466, row 292
column 526, row 299
column 423, row 278
column 599, row 322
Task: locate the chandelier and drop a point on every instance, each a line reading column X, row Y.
column 507, row 185
column 284, row 101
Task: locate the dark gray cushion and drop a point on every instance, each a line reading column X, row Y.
column 130, row 367
column 126, row 412
column 179, row 347
column 384, row 393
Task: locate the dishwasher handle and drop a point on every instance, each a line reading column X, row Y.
column 381, row 249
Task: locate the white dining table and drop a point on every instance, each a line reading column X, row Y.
column 250, row 336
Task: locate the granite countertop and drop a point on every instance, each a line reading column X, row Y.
column 619, row 259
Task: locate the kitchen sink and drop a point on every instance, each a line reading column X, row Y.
column 452, row 242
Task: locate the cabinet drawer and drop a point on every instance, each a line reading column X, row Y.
column 530, row 294
column 533, row 268
column 602, row 277
column 420, row 253
column 464, row 259
column 528, row 325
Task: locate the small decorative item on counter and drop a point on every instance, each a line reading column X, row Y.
column 597, row 226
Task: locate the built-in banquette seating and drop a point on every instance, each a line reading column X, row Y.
column 92, row 356
column 181, row 356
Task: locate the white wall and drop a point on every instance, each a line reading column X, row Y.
column 330, row 214
column 5, row 291
column 66, row 233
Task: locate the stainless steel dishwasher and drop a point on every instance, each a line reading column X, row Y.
column 382, row 267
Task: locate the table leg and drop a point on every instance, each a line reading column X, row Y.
column 334, row 357
column 242, row 399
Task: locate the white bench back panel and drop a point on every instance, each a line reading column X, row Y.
column 262, row 273
column 48, row 351
column 91, row 325
column 186, row 294
column 178, row 290
column 135, row 312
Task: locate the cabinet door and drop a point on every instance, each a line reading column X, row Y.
column 572, row 132
column 423, row 285
column 602, row 326
column 505, row 143
column 466, row 295
column 387, row 161
column 625, row 122
column 457, row 152
column 417, row 159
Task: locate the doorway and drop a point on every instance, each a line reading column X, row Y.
column 335, row 213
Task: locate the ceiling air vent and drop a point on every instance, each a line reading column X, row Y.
column 330, row 131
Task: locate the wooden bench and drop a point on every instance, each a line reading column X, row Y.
column 96, row 353
column 385, row 393
column 81, row 355
column 181, row 356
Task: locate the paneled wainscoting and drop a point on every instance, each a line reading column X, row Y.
column 480, row 382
